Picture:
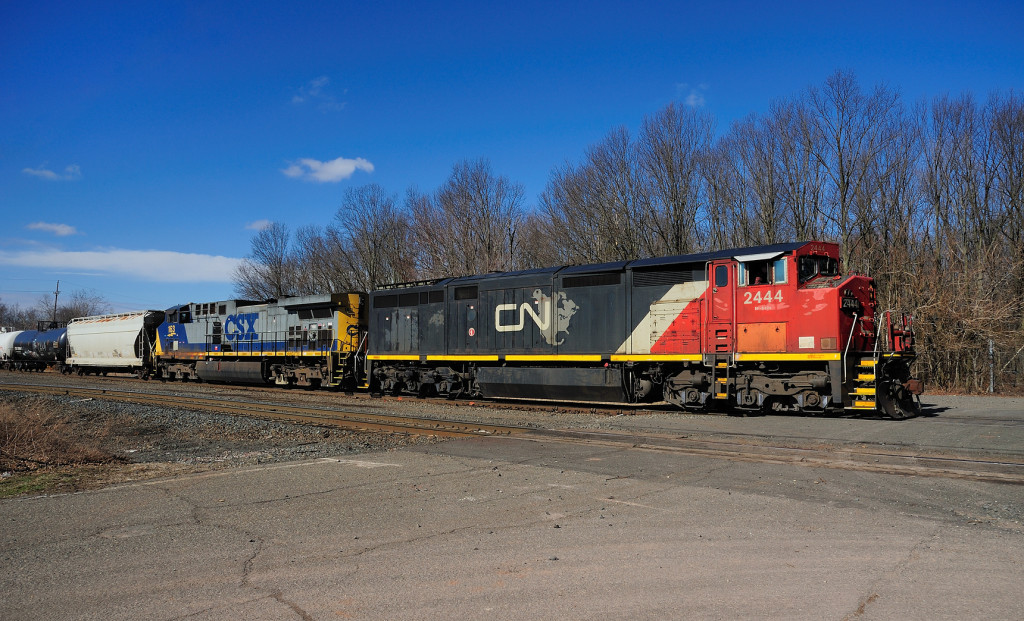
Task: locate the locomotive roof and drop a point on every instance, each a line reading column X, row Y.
column 729, row 253
column 700, row 257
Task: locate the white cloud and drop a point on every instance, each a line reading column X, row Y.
column 314, row 91
column 60, row 230
column 258, row 225
column 692, row 96
column 71, row 173
column 151, row 265
column 335, row 170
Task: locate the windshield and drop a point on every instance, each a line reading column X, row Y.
column 812, row 266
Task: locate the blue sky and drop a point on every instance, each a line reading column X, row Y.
column 140, row 143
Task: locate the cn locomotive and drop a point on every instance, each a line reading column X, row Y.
column 774, row 328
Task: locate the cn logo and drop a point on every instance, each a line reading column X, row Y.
column 551, row 318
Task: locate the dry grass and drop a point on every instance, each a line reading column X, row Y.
column 34, row 435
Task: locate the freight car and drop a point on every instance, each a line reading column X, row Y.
column 772, row 328
column 121, row 342
column 34, row 350
column 297, row 341
column 7, row 336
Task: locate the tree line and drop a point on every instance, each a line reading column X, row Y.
column 927, row 197
column 78, row 303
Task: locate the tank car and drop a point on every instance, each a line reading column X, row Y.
column 771, row 328
column 7, row 337
column 35, row 350
column 120, row 342
column 296, row 341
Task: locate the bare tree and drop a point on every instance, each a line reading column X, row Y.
column 471, row 224
column 598, row 211
column 268, row 271
column 78, row 303
column 801, row 175
column 756, row 147
column 849, row 122
column 672, row 145
column 373, row 236
column 13, row 316
column 320, row 264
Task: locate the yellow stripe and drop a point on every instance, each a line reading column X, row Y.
column 553, row 358
column 464, row 358
column 785, row 357
column 392, row 357
column 656, row 357
column 267, row 354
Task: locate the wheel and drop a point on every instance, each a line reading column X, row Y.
column 897, row 402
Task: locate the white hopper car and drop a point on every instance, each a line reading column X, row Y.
column 120, row 343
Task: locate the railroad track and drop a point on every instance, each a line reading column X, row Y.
column 861, row 457
column 808, row 452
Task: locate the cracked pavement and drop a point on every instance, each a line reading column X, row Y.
column 508, row 528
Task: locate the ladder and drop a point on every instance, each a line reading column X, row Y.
column 721, row 381
column 864, row 382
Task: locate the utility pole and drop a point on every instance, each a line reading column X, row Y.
column 55, row 294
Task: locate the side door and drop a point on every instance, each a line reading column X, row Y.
column 722, row 314
column 463, row 321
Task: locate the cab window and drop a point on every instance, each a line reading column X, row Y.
column 721, row 276
column 769, row 272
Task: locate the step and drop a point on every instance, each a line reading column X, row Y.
column 867, row 363
column 721, row 395
column 722, row 365
column 865, row 377
column 863, row 405
column 863, row 390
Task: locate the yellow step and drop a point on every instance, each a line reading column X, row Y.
column 863, row 390
column 867, row 363
column 721, row 395
column 863, row 405
column 723, row 379
column 865, row 377
column 722, row 365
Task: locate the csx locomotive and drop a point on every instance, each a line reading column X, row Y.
column 772, row 328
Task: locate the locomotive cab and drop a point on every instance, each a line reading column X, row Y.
column 810, row 339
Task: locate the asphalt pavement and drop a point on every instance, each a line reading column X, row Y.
column 504, row 528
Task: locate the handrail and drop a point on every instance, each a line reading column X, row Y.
column 846, row 350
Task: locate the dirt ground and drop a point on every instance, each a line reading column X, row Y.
column 64, row 444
